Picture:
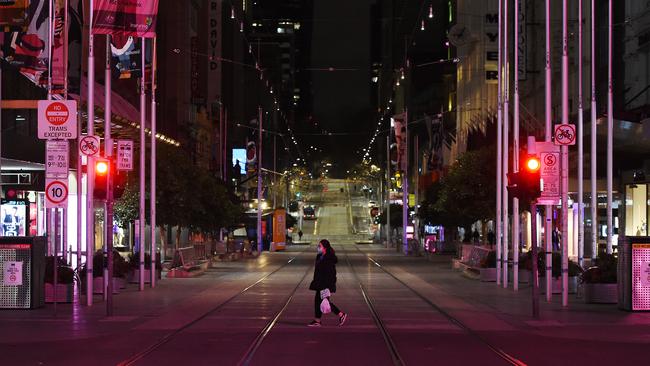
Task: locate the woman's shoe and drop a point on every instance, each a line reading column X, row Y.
column 314, row 323
column 343, row 318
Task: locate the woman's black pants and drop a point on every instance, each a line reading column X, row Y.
column 317, row 301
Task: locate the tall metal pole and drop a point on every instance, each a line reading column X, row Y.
column 594, row 143
column 405, row 184
column 388, row 190
column 90, row 175
column 143, row 147
column 259, row 182
column 152, row 199
column 565, row 158
column 533, row 246
column 515, row 158
column 506, row 104
column 610, row 132
column 79, row 193
column 108, row 143
column 108, row 293
column 581, row 154
column 548, row 211
column 275, row 169
column 499, row 212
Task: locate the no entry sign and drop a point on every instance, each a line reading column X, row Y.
column 57, row 119
column 56, row 193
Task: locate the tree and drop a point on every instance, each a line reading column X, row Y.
column 126, row 208
column 466, row 193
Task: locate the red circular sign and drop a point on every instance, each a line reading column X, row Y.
column 550, row 160
column 56, row 192
column 88, row 146
column 57, row 113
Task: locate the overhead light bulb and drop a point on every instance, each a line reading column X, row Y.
column 232, row 12
column 241, row 27
column 430, row 11
column 422, row 26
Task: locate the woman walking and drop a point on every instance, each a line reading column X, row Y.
column 325, row 278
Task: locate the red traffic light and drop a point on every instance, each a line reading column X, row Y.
column 533, row 164
column 101, row 167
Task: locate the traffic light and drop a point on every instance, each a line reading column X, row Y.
column 102, row 171
column 525, row 184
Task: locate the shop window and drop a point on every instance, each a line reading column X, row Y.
column 636, row 210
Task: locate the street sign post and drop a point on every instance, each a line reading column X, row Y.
column 57, row 119
column 565, row 134
column 89, row 146
column 124, row 154
column 56, row 193
column 56, row 159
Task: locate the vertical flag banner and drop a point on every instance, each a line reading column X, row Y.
column 58, row 49
column 125, row 17
column 13, row 14
column 26, row 50
column 126, row 60
column 126, row 57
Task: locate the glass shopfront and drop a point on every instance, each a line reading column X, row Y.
column 636, row 209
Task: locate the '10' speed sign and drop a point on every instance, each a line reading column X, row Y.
column 56, row 193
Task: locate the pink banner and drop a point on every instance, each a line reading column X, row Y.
column 135, row 18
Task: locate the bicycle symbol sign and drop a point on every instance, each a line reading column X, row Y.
column 89, row 145
column 565, row 134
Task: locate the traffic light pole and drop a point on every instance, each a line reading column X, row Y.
column 109, row 239
column 90, row 175
column 535, row 274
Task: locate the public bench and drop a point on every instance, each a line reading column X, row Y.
column 189, row 262
column 472, row 261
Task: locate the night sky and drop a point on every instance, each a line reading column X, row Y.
column 341, row 39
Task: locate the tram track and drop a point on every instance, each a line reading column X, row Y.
column 135, row 358
column 392, row 348
column 457, row 322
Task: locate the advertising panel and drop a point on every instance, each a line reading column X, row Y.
column 15, row 217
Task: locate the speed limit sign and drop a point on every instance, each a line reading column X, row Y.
column 56, row 193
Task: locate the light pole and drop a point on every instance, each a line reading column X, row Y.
column 259, row 182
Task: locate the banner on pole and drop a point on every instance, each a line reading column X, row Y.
column 126, row 60
column 26, row 49
column 13, row 14
column 125, row 17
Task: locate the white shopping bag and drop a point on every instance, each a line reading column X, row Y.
column 325, row 293
column 325, row 306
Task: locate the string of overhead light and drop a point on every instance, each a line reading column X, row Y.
column 399, row 74
column 238, row 17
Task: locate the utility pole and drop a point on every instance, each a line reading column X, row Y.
column 259, row 183
column 388, row 190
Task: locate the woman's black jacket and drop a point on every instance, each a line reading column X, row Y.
column 324, row 272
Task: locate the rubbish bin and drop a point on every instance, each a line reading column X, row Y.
column 634, row 273
column 22, row 272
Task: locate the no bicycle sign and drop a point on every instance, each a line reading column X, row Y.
column 57, row 119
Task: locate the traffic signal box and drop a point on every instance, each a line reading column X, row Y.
column 104, row 168
column 526, row 183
